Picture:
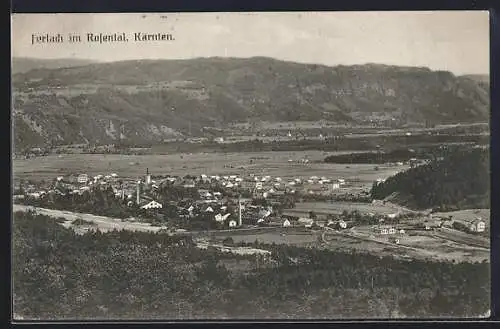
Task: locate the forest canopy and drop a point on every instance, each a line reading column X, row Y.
column 458, row 180
column 58, row 274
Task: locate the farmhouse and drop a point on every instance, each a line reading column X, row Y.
column 83, row 178
column 342, row 224
column 392, row 216
column 476, row 225
column 152, row 205
column 221, row 218
column 384, row 230
column 394, row 240
column 307, row 222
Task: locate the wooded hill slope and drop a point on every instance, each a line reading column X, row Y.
column 461, row 180
column 150, row 100
column 132, row 275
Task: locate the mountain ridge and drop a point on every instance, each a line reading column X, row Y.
column 158, row 99
column 25, row 64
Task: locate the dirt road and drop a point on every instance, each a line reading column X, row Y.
column 103, row 223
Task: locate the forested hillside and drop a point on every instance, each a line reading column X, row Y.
column 460, row 180
column 123, row 275
column 153, row 100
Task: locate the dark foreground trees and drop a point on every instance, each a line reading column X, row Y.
column 60, row 275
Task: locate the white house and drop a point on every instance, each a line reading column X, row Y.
column 286, row 223
column 83, row 178
column 221, row 218
column 477, row 225
column 392, row 216
column 152, row 205
column 394, row 240
column 385, row 230
column 35, row 195
column 307, row 222
column 342, row 224
column 233, row 223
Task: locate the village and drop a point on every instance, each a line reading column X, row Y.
column 245, row 202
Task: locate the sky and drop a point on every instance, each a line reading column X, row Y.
column 456, row 41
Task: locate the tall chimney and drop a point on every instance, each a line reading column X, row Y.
column 239, row 210
column 138, row 192
column 148, row 177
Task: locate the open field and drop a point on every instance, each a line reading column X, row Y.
column 289, row 237
column 324, row 208
column 419, row 246
column 462, row 237
column 259, row 163
column 467, row 214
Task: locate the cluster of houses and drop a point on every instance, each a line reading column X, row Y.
column 219, row 197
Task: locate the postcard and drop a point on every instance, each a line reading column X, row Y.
column 250, row 166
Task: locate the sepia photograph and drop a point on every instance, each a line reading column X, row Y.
column 250, row 166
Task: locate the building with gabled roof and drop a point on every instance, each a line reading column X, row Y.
column 152, row 205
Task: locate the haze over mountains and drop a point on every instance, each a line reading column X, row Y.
column 25, row 64
column 75, row 102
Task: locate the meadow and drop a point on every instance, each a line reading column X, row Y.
column 275, row 164
column 303, row 208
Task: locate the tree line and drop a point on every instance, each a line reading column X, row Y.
column 120, row 274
